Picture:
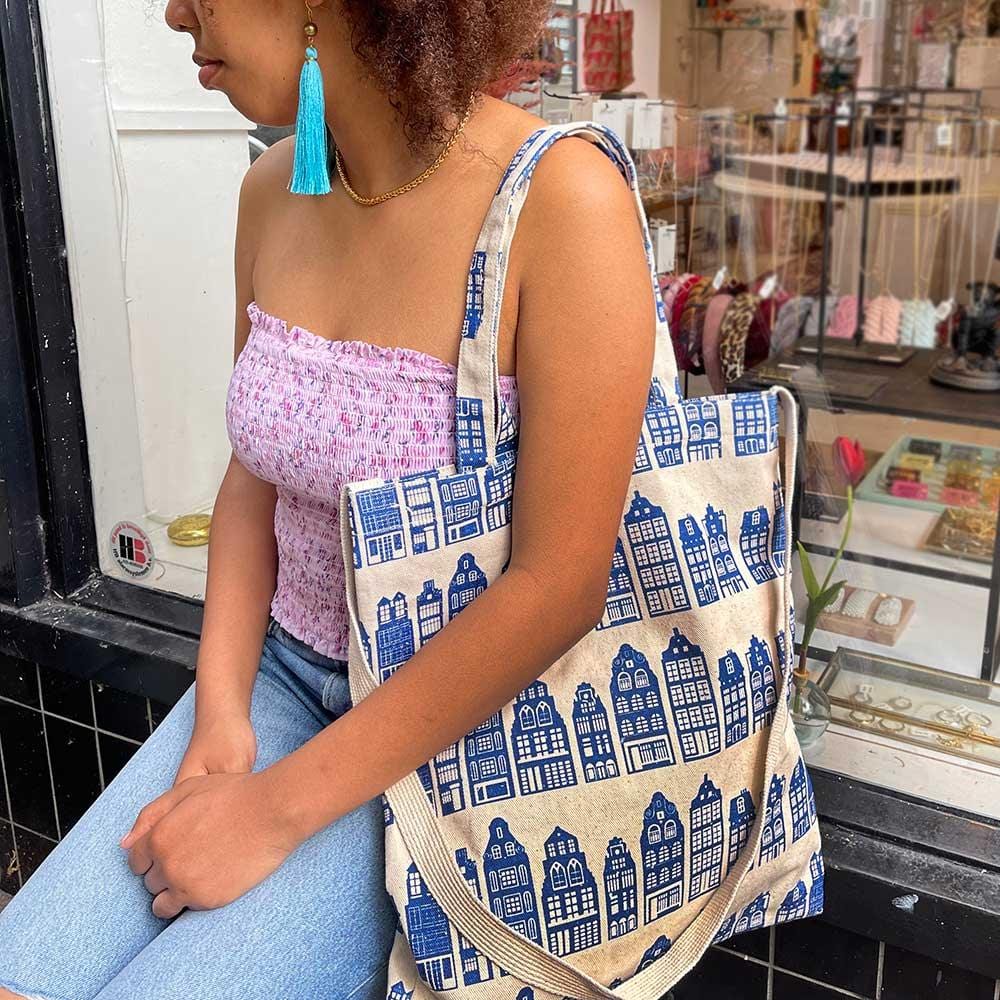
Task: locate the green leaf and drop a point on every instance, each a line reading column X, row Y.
column 815, row 607
column 825, row 598
column 812, row 584
column 843, row 538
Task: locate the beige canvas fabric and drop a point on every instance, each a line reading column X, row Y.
column 647, row 794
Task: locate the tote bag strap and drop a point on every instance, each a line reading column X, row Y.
column 477, row 394
column 417, row 824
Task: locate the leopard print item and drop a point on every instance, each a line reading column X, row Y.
column 733, row 335
column 692, row 318
column 677, row 307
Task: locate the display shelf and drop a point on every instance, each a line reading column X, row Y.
column 945, row 631
column 920, row 772
column 893, row 535
column 934, row 479
column 914, row 704
column 720, row 31
column 807, row 170
column 908, row 391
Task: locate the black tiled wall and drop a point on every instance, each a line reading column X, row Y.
column 812, row 960
column 63, row 739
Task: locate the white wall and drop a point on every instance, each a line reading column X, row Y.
column 149, row 172
column 646, row 46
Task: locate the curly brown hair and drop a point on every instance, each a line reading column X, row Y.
column 430, row 56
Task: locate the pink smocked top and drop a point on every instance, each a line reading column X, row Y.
column 310, row 414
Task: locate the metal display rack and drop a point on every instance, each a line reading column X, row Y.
column 908, row 391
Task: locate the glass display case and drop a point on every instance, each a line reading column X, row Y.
column 932, row 709
column 916, row 619
column 935, row 560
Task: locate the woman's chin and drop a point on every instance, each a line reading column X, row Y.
column 261, row 114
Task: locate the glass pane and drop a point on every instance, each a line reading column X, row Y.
column 823, row 190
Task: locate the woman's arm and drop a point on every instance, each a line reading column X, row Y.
column 242, row 552
column 585, row 336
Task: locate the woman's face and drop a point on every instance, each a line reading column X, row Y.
column 254, row 49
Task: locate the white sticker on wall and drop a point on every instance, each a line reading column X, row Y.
column 132, row 549
column 581, row 107
column 668, row 124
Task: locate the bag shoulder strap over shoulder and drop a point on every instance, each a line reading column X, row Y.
column 477, row 403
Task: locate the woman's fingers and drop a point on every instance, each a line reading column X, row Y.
column 140, row 856
column 154, row 880
column 153, row 812
column 167, row 905
column 148, row 816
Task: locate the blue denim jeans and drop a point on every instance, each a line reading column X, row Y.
column 320, row 927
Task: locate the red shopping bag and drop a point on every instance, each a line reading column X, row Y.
column 607, row 46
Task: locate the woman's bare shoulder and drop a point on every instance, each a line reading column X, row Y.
column 579, row 202
column 580, row 260
column 575, row 173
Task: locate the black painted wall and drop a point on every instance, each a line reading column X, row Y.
column 62, row 739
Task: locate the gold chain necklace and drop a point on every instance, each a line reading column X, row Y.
column 361, row 200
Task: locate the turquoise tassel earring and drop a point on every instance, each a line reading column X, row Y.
column 310, row 171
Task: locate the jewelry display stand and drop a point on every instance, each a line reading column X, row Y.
column 895, row 613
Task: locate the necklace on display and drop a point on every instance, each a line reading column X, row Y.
column 409, row 185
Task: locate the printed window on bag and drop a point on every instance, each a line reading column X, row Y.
column 508, row 878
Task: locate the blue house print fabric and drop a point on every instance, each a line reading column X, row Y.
column 646, row 795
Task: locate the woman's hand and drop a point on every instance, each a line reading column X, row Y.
column 220, row 744
column 208, row 840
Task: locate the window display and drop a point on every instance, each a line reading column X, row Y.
column 832, row 223
column 822, row 182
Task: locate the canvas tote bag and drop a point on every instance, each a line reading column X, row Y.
column 607, row 47
column 646, row 795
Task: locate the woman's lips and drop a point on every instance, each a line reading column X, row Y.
column 207, row 72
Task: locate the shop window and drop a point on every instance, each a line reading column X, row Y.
column 823, row 190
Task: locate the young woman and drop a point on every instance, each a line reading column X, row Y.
column 239, row 853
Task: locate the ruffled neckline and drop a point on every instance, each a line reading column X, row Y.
column 399, row 357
